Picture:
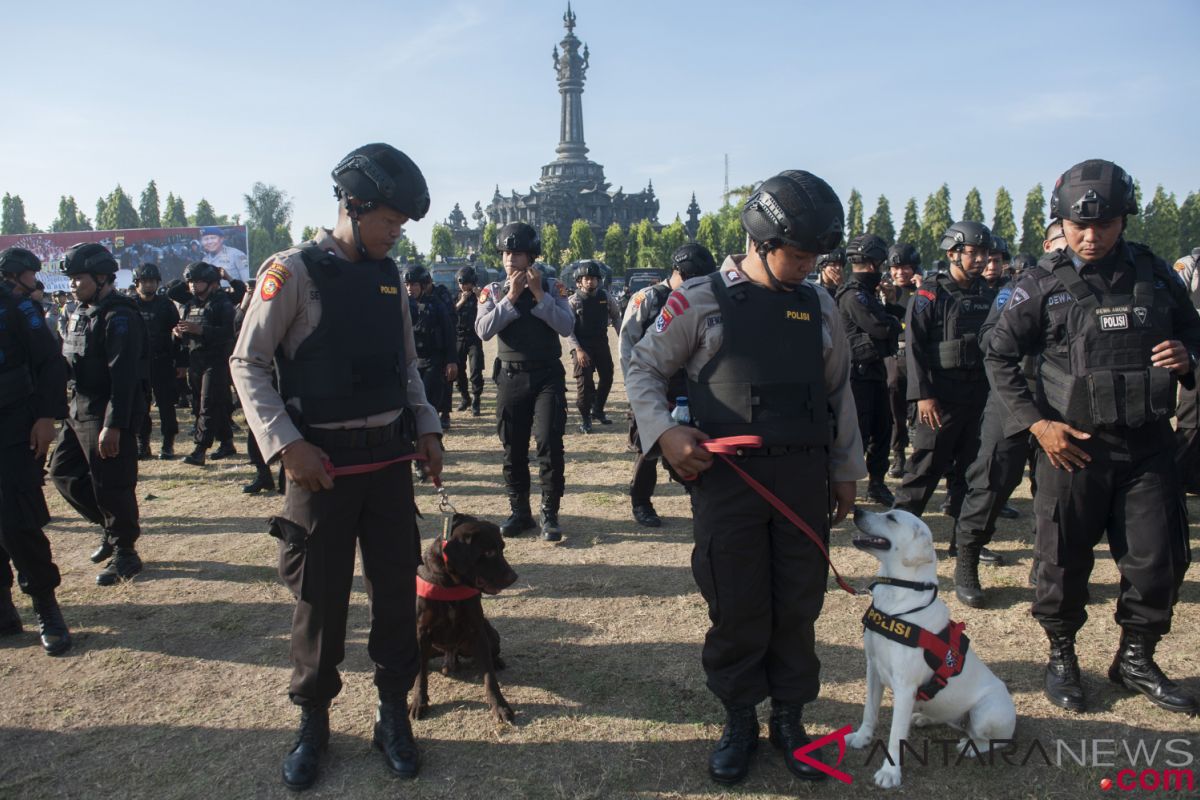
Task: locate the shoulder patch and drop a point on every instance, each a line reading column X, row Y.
column 1181, row 265
column 1019, row 296
column 31, row 313
column 732, row 276
column 1058, row 298
column 677, row 302
column 484, row 294
column 927, row 294
column 664, row 319
column 273, row 280
column 862, row 297
column 1002, row 296
column 638, row 298
column 562, row 289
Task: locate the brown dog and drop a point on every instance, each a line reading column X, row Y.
column 455, row 570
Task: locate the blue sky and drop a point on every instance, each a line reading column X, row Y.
column 891, row 98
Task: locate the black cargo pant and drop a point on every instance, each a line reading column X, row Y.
column 319, row 533
column 22, row 514
column 433, row 377
column 531, row 398
column 874, row 423
column 1187, row 439
column 103, row 490
column 1134, row 497
column 591, row 396
column 897, row 387
column 470, row 350
column 161, row 392
column 992, row 477
column 763, row 579
column 645, row 469
column 953, row 445
column 212, row 396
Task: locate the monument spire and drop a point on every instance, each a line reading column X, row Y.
column 571, row 68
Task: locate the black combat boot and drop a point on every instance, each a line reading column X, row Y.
column 475, row 412
column 585, row 424
column 56, row 639
column 10, row 620
column 990, row 558
column 168, row 449
column 465, row 403
column 1063, row 686
column 444, row 419
column 196, row 457
column 897, row 468
column 550, row 530
column 103, row 552
column 302, row 765
column 143, row 449
column 394, row 736
column 1008, row 512
column 786, row 730
column 601, row 417
column 1134, row 668
column 645, row 514
column 878, row 491
column 966, row 576
column 730, row 761
column 263, row 483
column 225, row 450
column 521, row 519
column 124, row 564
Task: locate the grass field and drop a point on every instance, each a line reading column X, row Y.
column 176, row 686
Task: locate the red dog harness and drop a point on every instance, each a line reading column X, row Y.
column 945, row 653
column 431, row 591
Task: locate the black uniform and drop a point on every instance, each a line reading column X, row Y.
column 106, row 353
column 1187, row 415
column 945, row 363
column 469, row 349
column 33, row 381
column 433, row 330
column 208, row 362
column 593, row 314
column 1094, row 326
column 897, row 375
column 872, row 333
column 166, row 355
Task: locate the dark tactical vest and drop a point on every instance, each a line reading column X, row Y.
column 158, row 332
column 354, row 364
column 528, row 338
column 863, row 349
column 768, row 378
column 591, row 317
column 16, row 380
column 904, row 296
column 465, row 324
column 957, row 327
column 427, row 328
column 201, row 314
column 88, row 378
column 1102, row 376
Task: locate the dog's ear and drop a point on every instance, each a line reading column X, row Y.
column 455, row 552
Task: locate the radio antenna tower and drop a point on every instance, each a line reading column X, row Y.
column 725, row 196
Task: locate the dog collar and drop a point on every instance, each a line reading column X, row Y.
column 916, row 585
column 945, row 652
column 431, row 591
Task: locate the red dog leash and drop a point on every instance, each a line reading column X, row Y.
column 734, row 445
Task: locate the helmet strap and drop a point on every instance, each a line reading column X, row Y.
column 763, row 249
column 352, row 211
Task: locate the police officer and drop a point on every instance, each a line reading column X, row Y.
column 1187, row 415
column 166, row 356
column 594, row 311
column 995, row 272
column 528, row 312
column 94, row 466
column 947, row 386
column 225, row 258
column 433, row 332
column 765, row 354
column 206, row 330
column 469, row 345
column 1116, row 332
column 904, row 266
column 33, row 393
column 334, row 317
column 872, row 334
column 830, row 267
column 689, row 261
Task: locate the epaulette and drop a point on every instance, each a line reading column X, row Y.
column 733, row 277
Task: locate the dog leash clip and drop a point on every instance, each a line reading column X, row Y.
column 444, row 504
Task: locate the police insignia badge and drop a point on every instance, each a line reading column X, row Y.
column 276, row 275
column 664, row 319
column 484, row 294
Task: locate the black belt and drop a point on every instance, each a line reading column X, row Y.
column 526, row 366
column 780, row 450
column 342, row 438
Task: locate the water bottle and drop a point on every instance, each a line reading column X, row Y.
column 682, row 414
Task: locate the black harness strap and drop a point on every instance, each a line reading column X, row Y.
column 945, row 652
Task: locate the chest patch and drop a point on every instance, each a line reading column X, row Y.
column 1114, row 322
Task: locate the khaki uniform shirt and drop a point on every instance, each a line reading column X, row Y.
column 284, row 311
column 692, row 338
column 232, row 260
column 639, row 317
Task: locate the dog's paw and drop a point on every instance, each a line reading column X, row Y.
column 503, row 714
column 888, row 776
column 417, row 710
column 860, row 738
column 921, row 721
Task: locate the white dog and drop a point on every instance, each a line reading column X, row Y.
column 974, row 700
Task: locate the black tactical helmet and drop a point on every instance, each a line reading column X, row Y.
column 904, row 254
column 1092, row 191
column 16, row 260
column 88, row 259
column 518, row 237
column 587, row 268
column 379, row 174
column 693, row 260
column 835, row 256
column 201, row 272
column 795, row 208
column 966, row 232
column 466, row 275
column 416, row 274
column 1023, row 262
column 1000, row 245
column 866, row 247
column 147, row 272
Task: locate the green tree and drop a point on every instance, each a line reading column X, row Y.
column 880, row 223
column 910, row 231
column 309, row 233
column 405, row 252
column 1161, row 219
column 204, row 214
column 148, row 210
column 269, row 211
column 670, row 238
column 631, row 247
column 1003, row 223
column 646, row 237
column 1033, row 222
column 582, row 241
column 1189, row 223
column 174, row 215
column 119, row 213
column 614, row 248
column 551, row 246
column 12, row 215
column 854, row 215
column 973, row 208
column 441, row 242
column 69, row 217
column 709, row 233
column 935, row 219
column 1135, row 226
column 487, row 250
